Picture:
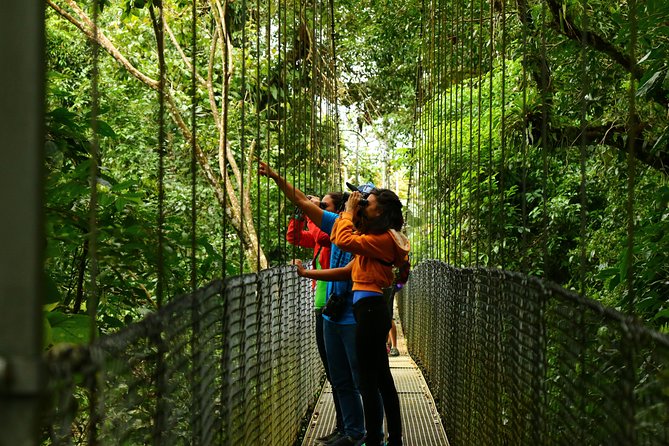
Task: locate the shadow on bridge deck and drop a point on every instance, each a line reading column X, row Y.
column 420, row 421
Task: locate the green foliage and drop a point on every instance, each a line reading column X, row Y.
column 493, row 193
column 486, row 197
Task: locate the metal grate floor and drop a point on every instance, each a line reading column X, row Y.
column 420, row 421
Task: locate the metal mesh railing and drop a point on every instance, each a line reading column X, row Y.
column 233, row 363
column 512, row 360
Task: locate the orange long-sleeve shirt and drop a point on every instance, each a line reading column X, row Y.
column 369, row 274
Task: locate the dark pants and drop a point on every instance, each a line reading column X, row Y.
column 373, row 323
column 320, row 342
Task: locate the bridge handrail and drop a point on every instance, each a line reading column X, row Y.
column 511, row 359
column 232, row 363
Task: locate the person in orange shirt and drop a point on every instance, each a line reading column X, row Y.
column 370, row 230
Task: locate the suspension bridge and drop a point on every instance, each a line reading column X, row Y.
column 511, row 347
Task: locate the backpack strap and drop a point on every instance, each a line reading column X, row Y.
column 315, row 259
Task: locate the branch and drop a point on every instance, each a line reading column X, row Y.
column 564, row 24
column 615, row 135
column 86, row 25
column 185, row 59
column 540, row 74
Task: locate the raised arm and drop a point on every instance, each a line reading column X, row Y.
column 330, row 275
column 296, row 196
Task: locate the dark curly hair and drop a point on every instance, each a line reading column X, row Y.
column 391, row 214
column 337, row 198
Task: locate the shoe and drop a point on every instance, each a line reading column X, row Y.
column 334, row 435
column 394, row 352
column 345, row 441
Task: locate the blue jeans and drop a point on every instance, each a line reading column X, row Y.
column 343, row 366
column 373, row 324
column 320, row 342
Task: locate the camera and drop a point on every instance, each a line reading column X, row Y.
column 364, row 190
column 335, row 306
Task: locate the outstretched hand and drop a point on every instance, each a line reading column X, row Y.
column 265, row 170
column 300, row 267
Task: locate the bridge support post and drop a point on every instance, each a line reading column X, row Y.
column 21, row 234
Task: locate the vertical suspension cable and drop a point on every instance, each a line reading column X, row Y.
column 448, row 120
column 244, row 233
column 470, row 183
column 585, row 88
column 416, row 160
column 524, row 148
column 313, row 145
column 434, row 122
column 439, row 122
column 491, row 175
column 430, row 129
column 459, row 184
column 225, row 426
column 196, row 401
column 92, row 240
column 303, row 33
column 333, row 36
column 502, row 191
column 226, row 106
column 259, row 144
column 544, row 140
column 268, row 110
column 193, row 150
column 632, row 128
column 281, row 199
column 456, row 81
column 316, row 86
column 291, row 101
column 477, row 181
column 158, row 29
column 158, row 24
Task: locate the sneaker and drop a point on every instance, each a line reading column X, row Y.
column 332, row 436
column 394, row 352
column 345, row 441
column 335, row 434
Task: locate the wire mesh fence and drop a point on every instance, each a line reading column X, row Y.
column 512, row 360
column 233, row 363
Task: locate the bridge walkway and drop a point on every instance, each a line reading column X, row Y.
column 420, row 420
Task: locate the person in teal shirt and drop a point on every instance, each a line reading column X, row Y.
column 319, row 241
column 338, row 332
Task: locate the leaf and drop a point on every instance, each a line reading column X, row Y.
column 662, row 314
column 52, row 295
column 63, row 116
column 644, row 58
column 105, row 129
column 653, row 82
column 47, row 333
column 73, row 328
